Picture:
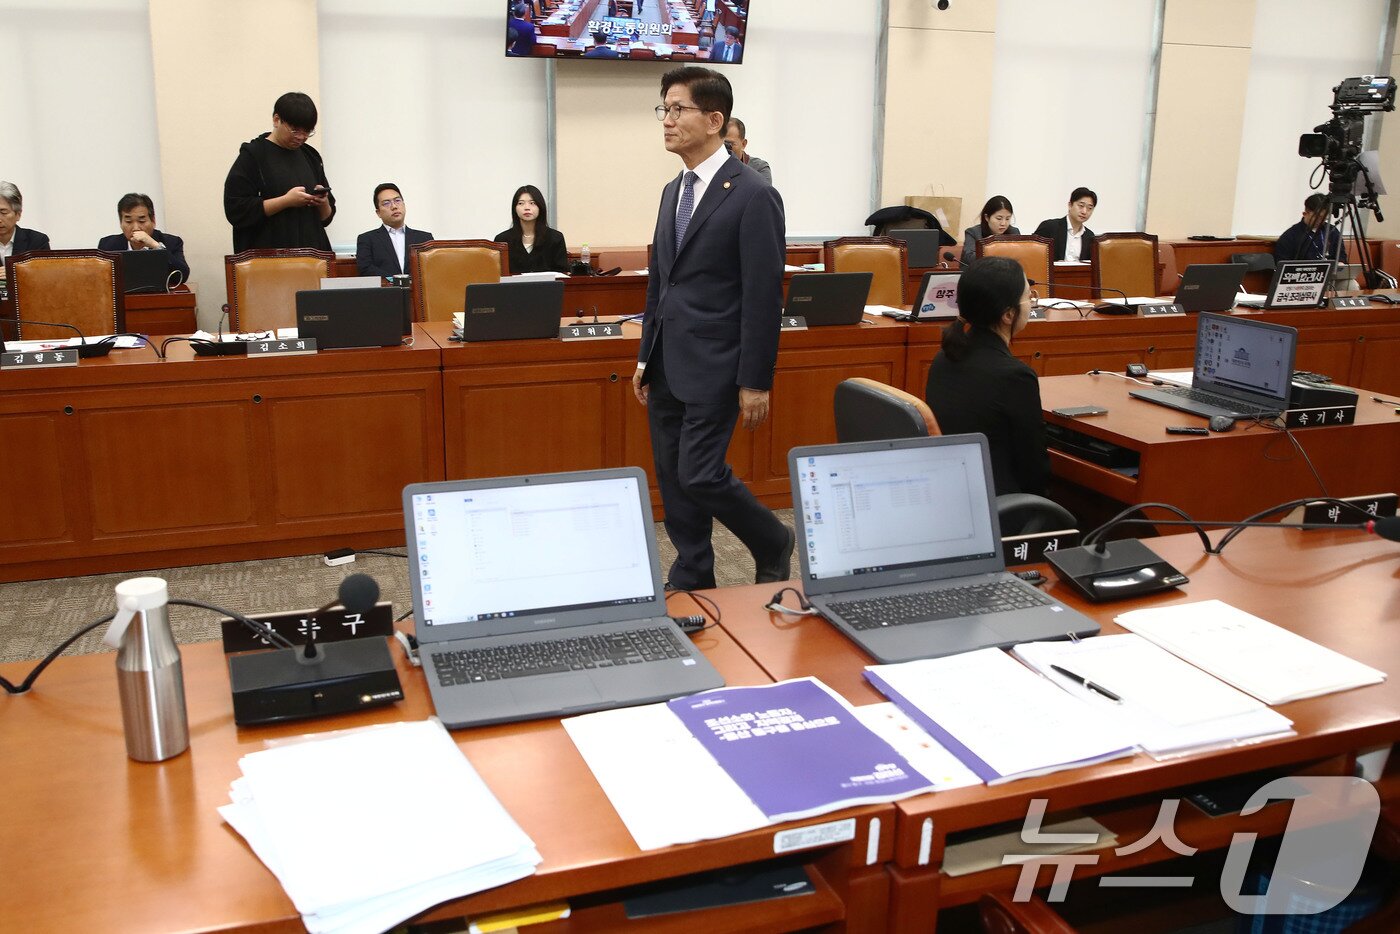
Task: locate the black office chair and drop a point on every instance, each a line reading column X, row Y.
column 1254, row 262
column 868, row 410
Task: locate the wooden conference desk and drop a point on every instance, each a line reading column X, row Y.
column 129, row 461
column 1224, row 476
column 146, row 313
column 103, row 843
column 1336, row 588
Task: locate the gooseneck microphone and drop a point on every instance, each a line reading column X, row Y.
column 1387, row 527
column 1103, row 308
column 99, row 348
column 358, row 594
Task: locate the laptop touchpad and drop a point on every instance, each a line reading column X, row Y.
column 561, row 691
column 960, row 635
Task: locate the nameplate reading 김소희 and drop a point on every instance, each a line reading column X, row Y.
column 282, row 348
column 38, row 359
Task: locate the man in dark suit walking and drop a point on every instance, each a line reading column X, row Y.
column 383, row 251
column 137, row 214
column 710, row 332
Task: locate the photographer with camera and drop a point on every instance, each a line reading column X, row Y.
column 1312, row 237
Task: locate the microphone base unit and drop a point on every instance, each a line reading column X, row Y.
column 1126, row 569
column 96, row 349
column 273, row 686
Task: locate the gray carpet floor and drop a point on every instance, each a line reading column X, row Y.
column 35, row 616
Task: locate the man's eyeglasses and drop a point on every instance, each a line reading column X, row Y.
column 674, row 111
column 391, row 202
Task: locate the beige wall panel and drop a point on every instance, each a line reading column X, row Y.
column 219, row 66
column 965, row 15
column 612, row 163
column 1209, row 22
column 939, row 146
column 1200, row 110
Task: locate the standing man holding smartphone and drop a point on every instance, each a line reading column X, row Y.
column 710, row 332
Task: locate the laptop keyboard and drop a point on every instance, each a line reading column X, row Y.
column 633, row 647
column 929, row 605
column 1192, row 394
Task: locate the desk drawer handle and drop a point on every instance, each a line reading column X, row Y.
column 67, row 410
column 257, row 398
column 1036, row 355
column 612, row 377
column 1152, row 348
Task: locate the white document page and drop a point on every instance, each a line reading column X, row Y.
column 1254, row 655
column 640, row 756
column 912, row 741
column 1005, row 714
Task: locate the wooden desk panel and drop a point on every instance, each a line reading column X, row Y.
column 1224, row 476
column 152, row 853
column 137, row 462
column 168, row 313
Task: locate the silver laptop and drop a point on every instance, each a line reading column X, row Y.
column 1244, row 369
column 900, row 548
column 541, row 596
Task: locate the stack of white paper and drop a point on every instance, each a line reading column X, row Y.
column 1254, row 655
column 352, row 864
column 1168, row 707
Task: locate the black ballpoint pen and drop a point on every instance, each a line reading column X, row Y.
column 1080, row 679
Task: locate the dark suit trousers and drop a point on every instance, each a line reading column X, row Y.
column 689, row 442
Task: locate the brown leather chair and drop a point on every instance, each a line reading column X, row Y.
column 868, row 410
column 544, row 50
column 886, row 257
column 640, row 54
column 1168, row 276
column 1032, row 252
column 442, row 270
column 263, row 285
column 82, row 288
column 1126, row 262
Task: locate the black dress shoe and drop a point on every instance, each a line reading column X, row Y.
column 780, row 567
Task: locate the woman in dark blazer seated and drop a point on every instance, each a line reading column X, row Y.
column 996, row 221
column 534, row 245
column 976, row 385
column 1082, row 202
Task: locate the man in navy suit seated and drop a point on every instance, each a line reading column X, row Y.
column 383, row 251
column 137, row 214
column 601, row 49
column 13, row 238
column 710, row 332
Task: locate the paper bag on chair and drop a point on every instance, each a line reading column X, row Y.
column 947, row 209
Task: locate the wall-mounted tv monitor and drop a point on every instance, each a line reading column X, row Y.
column 707, row 32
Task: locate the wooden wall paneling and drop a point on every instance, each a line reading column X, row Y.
column 37, row 507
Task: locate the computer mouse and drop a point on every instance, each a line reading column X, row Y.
column 1221, row 423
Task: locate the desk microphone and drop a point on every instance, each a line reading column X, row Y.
column 1104, row 308
column 1387, row 527
column 358, row 594
column 100, row 348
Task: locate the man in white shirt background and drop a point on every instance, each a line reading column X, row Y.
column 383, row 251
column 1071, row 239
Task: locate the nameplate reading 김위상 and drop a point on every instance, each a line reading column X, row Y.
column 1316, row 418
column 1375, row 505
column 282, row 348
column 793, row 323
column 1159, row 310
column 591, row 332
column 38, row 359
column 1351, row 301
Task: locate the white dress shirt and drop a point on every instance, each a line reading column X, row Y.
column 704, row 174
column 399, row 238
column 1074, row 242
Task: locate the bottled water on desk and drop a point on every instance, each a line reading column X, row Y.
column 150, row 677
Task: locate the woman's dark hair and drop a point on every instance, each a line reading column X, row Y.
column 1083, row 193
column 296, row 110
column 994, row 203
column 709, row 89
column 986, row 289
column 541, row 222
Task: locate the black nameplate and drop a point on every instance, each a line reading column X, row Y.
column 1037, row 314
column 793, row 323
column 1160, row 309
column 1032, row 549
column 1351, row 301
column 282, row 348
column 330, row 626
column 1374, row 505
column 38, row 359
column 1316, row 418
column 591, row 332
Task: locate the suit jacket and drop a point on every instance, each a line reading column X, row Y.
column 1057, row 230
column 717, row 52
column 991, row 392
column 374, row 251
column 174, row 249
column 715, row 303
column 601, row 51
column 550, row 254
column 25, row 240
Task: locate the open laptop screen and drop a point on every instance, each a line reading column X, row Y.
column 873, row 511
column 524, row 550
column 1245, row 356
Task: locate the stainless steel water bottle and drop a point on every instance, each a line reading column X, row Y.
column 150, row 679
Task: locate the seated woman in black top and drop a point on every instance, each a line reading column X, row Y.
column 976, row 385
column 534, row 245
